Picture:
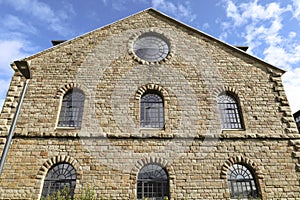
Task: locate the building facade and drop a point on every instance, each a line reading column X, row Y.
column 148, row 107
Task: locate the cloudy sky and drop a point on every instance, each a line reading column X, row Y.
column 271, row 28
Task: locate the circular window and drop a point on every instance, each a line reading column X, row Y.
column 151, row 47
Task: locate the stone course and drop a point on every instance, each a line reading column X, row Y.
column 111, row 165
column 110, row 148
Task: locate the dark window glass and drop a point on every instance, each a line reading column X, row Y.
column 153, row 183
column 229, row 110
column 151, row 47
column 60, row 176
column 152, row 111
column 241, row 182
column 72, row 109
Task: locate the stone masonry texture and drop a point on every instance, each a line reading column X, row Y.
column 111, row 147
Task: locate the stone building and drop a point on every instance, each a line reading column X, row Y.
column 148, row 107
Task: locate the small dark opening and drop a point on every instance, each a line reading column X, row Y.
column 56, row 42
column 243, row 48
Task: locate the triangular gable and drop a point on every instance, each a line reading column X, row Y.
column 151, row 10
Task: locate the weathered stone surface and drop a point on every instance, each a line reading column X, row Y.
column 110, row 148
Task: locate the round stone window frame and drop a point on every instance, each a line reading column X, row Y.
column 160, row 34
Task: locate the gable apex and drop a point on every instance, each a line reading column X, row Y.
column 238, row 48
column 153, row 11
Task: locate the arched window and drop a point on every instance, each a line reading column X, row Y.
column 230, row 113
column 153, row 183
column 72, row 109
column 241, row 182
column 152, row 110
column 60, row 176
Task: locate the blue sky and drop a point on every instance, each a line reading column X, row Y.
column 271, row 29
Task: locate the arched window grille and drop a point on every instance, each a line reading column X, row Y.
column 153, row 183
column 241, row 182
column 72, row 109
column 60, row 176
column 230, row 113
column 152, row 111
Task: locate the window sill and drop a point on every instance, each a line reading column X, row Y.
column 237, row 129
column 233, row 132
column 67, row 128
column 153, row 133
column 151, row 129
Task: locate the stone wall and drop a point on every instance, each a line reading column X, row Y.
column 100, row 63
column 111, row 165
column 110, row 147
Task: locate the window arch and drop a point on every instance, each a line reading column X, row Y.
column 72, row 109
column 152, row 110
column 60, row 176
column 230, row 113
column 153, row 183
column 241, row 182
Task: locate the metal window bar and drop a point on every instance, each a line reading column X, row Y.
column 72, row 109
column 152, row 183
column 241, row 182
column 230, row 114
column 151, row 48
column 58, row 177
column 152, row 111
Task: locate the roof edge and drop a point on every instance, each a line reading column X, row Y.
column 217, row 40
column 150, row 9
column 81, row 36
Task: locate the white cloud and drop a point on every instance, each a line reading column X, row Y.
column 262, row 27
column 296, row 5
column 232, row 12
column 43, row 12
column 292, row 34
column 186, row 12
column 181, row 10
column 291, row 82
column 257, row 12
column 276, row 56
column 14, row 23
column 14, row 49
column 223, row 36
column 119, row 5
column 262, row 23
column 253, row 11
column 205, row 26
column 284, row 57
